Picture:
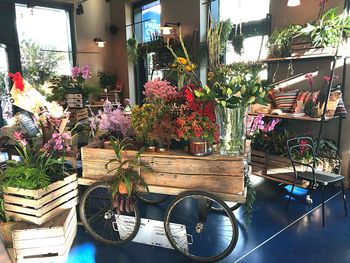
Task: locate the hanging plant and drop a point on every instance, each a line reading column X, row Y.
column 237, row 39
column 133, row 53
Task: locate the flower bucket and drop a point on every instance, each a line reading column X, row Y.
column 232, row 123
column 200, row 148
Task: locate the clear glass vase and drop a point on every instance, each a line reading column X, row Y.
column 232, row 123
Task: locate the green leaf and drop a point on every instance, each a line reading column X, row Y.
column 223, row 103
column 229, row 91
column 197, row 93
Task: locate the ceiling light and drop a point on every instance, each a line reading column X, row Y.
column 293, row 2
column 166, row 29
column 99, row 42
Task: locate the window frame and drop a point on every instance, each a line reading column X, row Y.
column 69, row 8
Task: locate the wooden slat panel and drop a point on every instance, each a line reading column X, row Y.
column 258, row 159
column 40, row 193
column 43, row 210
column 207, row 183
column 188, row 166
column 258, row 153
column 38, row 203
column 40, row 220
column 239, row 198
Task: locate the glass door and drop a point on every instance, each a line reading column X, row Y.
column 5, row 104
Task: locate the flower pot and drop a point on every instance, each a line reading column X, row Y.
column 232, row 123
column 200, row 148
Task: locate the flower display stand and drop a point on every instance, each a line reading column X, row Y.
column 276, row 168
column 49, row 242
column 39, row 206
column 173, row 172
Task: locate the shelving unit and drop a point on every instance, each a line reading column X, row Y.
column 333, row 59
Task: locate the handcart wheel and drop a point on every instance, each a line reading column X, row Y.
column 232, row 205
column 199, row 232
column 100, row 220
column 151, row 198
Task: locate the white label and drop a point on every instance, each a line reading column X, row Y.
column 151, row 231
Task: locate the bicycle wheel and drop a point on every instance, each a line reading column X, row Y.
column 151, row 198
column 199, row 232
column 232, row 205
column 100, row 220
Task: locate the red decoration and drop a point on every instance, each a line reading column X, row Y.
column 18, row 80
column 199, row 106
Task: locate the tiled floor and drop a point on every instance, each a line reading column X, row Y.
column 275, row 235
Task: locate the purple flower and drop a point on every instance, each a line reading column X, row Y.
column 75, row 72
column 85, row 72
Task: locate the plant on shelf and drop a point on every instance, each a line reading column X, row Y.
column 280, row 41
column 327, row 31
column 107, row 79
column 36, row 170
column 127, row 178
column 76, row 83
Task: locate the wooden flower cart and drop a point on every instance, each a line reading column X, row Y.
column 200, row 184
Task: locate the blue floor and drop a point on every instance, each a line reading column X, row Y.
column 274, row 235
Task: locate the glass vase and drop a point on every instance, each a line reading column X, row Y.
column 232, row 123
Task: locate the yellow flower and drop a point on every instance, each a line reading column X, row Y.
column 182, row 61
column 190, row 67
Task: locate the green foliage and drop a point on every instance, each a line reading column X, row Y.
column 250, row 199
column 107, row 78
column 126, row 171
column 280, row 41
column 38, row 66
column 235, row 85
column 133, row 53
column 20, row 176
column 59, row 87
column 2, row 211
column 3, row 88
column 329, row 28
column 217, row 37
column 33, row 171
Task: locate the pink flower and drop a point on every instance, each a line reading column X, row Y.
column 158, row 89
column 75, row 72
column 309, row 78
column 18, row 135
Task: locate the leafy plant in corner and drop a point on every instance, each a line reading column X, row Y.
column 127, row 178
column 107, row 79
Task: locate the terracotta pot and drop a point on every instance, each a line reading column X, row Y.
column 200, row 148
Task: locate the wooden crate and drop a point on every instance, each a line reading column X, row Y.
column 78, row 114
column 174, row 171
column 39, row 206
column 302, row 46
column 6, row 229
column 50, row 242
column 274, row 167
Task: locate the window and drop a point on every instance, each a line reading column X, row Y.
column 246, row 12
column 5, row 105
column 150, row 14
column 45, row 42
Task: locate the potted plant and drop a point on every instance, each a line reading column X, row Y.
column 107, row 79
column 127, row 179
column 40, row 172
column 199, row 131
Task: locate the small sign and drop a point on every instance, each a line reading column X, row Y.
column 151, row 232
column 28, row 124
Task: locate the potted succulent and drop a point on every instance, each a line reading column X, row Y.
column 107, row 79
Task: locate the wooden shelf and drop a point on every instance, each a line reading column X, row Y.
column 291, row 117
column 298, row 58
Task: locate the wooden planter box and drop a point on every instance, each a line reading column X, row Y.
column 274, row 167
column 302, row 46
column 78, row 114
column 174, row 172
column 39, row 206
column 6, row 229
column 50, row 242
